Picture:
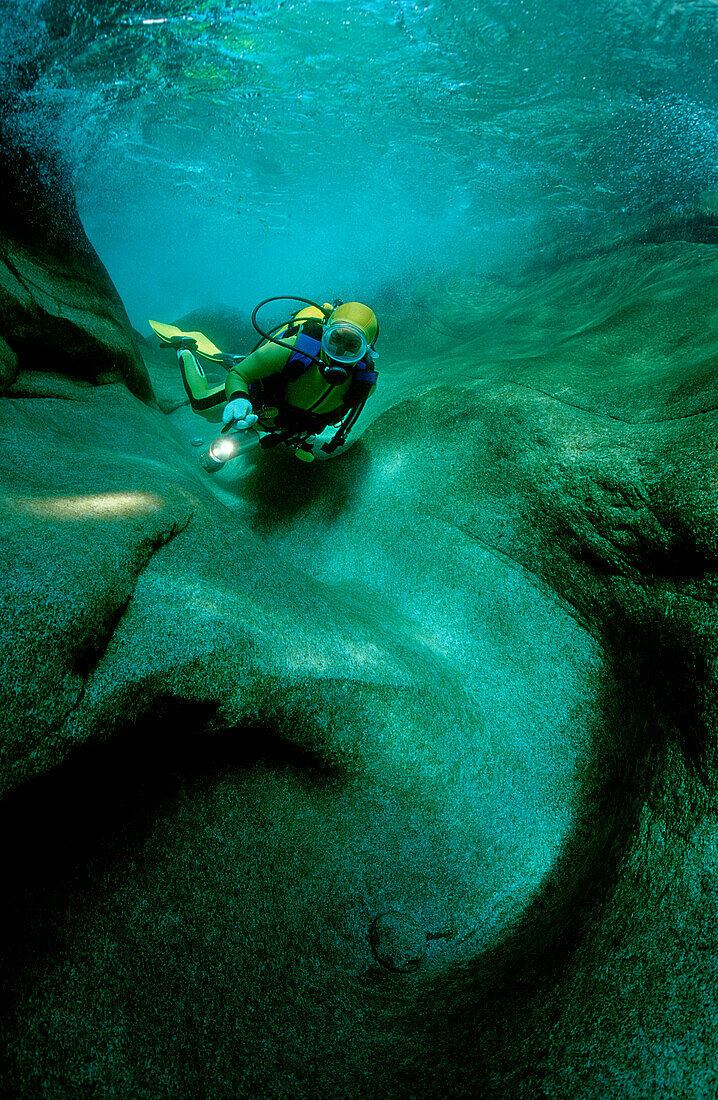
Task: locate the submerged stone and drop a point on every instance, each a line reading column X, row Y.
column 59, row 310
column 8, row 365
column 470, row 674
column 398, row 941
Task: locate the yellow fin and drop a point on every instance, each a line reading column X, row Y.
column 167, row 332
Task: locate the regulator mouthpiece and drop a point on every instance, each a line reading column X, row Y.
column 334, row 373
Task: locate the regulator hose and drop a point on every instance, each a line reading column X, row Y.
column 274, row 340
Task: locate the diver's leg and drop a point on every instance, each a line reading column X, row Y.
column 205, row 398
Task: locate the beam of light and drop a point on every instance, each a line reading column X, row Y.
column 393, row 465
column 88, row 506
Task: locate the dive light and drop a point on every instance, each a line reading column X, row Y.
column 226, row 447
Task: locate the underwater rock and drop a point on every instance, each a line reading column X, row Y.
column 166, row 381
column 8, row 365
column 59, row 310
column 81, row 515
column 398, row 941
column 697, row 223
column 470, row 674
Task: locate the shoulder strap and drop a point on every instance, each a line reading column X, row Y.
column 306, row 345
column 364, row 378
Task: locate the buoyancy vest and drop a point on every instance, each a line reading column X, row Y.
column 308, row 344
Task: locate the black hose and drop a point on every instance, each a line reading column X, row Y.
column 274, row 340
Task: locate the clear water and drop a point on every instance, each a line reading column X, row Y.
column 421, row 156
column 226, row 151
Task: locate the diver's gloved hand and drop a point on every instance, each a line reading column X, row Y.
column 240, row 409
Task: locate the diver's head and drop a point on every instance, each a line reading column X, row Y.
column 349, row 333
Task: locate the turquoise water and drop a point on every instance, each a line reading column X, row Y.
column 222, row 152
column 455, row 673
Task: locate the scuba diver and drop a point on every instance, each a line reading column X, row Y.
column 312, row 372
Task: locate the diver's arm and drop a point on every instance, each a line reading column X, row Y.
column 269, row 359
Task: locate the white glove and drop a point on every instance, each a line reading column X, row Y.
column 240, row 409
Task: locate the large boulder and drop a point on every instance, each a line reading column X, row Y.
column 59, row 310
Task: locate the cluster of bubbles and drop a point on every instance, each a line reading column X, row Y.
column 221, row 149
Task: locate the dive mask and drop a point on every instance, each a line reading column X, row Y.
column 343, row 342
